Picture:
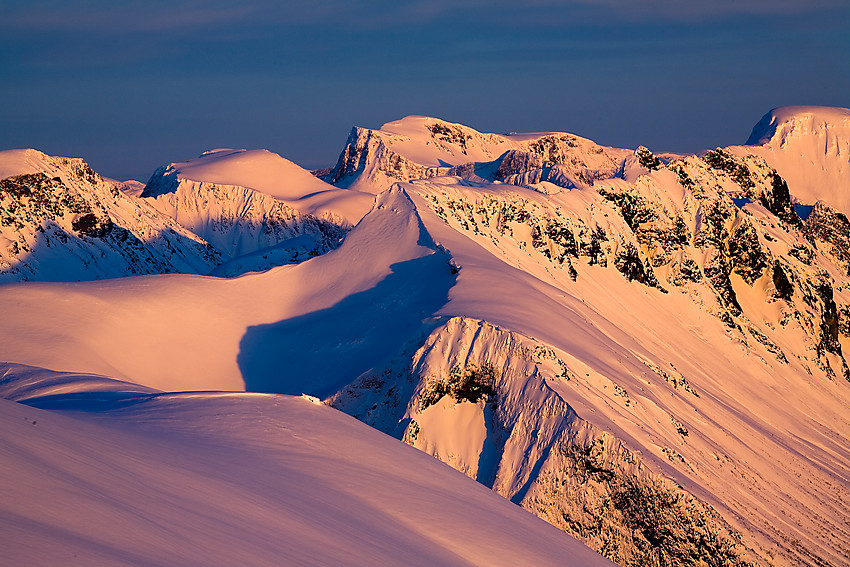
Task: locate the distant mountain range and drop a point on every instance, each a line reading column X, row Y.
column 648, row 351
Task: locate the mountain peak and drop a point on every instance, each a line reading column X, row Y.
column 797, row 121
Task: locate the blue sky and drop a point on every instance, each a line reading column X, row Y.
column 133, row 85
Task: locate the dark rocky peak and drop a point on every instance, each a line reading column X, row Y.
column 352, row 159
column 164, row 180
column 647, row 159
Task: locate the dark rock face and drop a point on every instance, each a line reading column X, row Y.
column 647, row 159
column 749, row 260
column 449, row 133
column 90, row 225
column 629, row 264
column 464, row 384
column 46, row 199
column 724, row 161
column 778, row 201
column 784, row 287
column 831, row 230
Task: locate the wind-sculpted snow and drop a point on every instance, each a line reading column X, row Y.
column 647, row 351
column 116, row 476
column 182, row 332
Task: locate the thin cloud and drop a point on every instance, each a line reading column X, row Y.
column 152, row 16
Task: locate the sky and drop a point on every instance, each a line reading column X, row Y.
column 134, row 85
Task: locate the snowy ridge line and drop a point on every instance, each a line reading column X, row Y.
column 481, row 399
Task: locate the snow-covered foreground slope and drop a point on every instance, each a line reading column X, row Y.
column 647, row 353
column 97, row 472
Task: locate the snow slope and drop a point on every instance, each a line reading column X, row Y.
column 102, row 472
column 649, row 354
column 210, row 333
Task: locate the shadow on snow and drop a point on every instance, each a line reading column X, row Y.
column 320, row 352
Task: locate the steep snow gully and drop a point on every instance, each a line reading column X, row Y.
column 646, row 351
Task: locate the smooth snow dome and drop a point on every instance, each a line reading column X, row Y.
column 260, row 170
column 111, row 474
column 810, row 148
column 269, row 173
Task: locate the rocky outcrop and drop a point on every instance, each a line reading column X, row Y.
column 367, row 160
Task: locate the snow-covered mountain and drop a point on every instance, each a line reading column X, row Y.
column 646, row 351
column 421, row 147
column 810, row 148
column 226, row 213
column 61, row 221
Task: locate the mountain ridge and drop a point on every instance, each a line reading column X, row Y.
column 669, row 331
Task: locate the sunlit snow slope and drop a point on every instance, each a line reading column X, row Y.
column 646, row 351
column 99, row 472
